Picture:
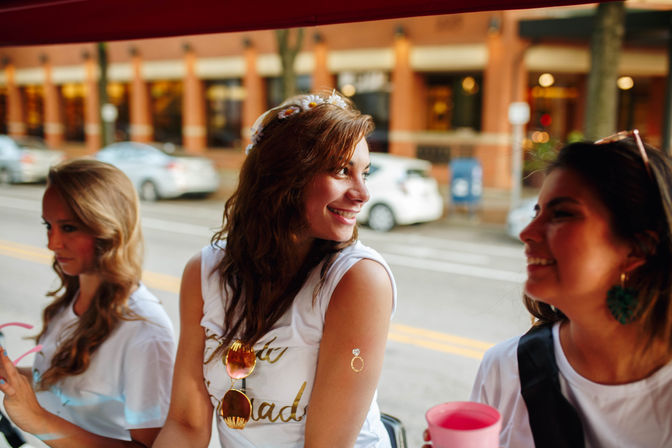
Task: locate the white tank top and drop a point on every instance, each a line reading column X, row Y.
column 282, row 381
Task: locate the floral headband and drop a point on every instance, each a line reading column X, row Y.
column 308, row 102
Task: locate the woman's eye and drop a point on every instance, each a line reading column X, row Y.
column 342, row 171
column 366, row 174
column 46, row 225
column 561, row 214
column 69, row 228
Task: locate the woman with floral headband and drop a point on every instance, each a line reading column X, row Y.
column 595, row 370
column 102, row 377
column 284, row 316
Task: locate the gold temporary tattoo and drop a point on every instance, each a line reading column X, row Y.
column 356, row 363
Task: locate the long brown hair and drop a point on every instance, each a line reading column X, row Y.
column 266, row 212
column 639, row 203
column 105, row 203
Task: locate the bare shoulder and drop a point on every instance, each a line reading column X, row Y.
column 190, row 289
column 366, row 283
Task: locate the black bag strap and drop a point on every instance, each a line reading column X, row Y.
column 12, row 435
column 553, row 420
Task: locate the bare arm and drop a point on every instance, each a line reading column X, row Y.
column 189, row 420
column 357, row 318
column 25, row 411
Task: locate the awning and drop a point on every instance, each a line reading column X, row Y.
column 39, row 22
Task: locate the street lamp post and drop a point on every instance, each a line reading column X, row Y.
column 519, row 115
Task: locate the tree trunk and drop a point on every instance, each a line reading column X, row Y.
column 288, row 53
column 105, row 134
column 605, row 50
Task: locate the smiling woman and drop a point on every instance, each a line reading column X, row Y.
column 596, row 367
column 286, row 278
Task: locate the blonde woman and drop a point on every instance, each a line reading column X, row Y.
column 103, row 375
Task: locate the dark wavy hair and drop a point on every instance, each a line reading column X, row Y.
column 105, row 203
column 265, row 215
column 639, row 205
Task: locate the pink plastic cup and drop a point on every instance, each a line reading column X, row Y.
column 464, row 424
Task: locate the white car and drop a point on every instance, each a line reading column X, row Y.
column 520, row 216
column 402, row 192
column 26, row 159
column 158, row 173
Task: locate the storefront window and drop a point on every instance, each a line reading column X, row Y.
column 370, row 91
column 274, row 92
column 633, row 103
column 224, row 112
column 73, row 111
column 118, row 94
column 3, row 110
column 167, row 111
column 454, row 101
column 554, row 106
column 34, row 97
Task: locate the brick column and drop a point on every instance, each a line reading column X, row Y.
column 322, row 79
column 254, row 103
column 193, row 107
column 504, row 81
column 401, row 99
column 16, row 126
column 91, row 107
column 53, row 117
column 141, row 126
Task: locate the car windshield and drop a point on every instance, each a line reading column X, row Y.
column 417, row 172
column 30, row 143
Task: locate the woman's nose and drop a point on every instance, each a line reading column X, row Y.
column 530, row 232
column 54, row 240
column 359, row 192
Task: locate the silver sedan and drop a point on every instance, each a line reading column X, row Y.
column 159, row 171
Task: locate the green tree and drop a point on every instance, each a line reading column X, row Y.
column 605, row 50
column 288, row 52
column 105, row 131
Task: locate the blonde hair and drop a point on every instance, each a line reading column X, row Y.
column 105, row 203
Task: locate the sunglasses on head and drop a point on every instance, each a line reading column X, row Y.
column 37, row 348
column 622, row 135
column 235, row 407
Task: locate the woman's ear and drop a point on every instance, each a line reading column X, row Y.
column 644, row 246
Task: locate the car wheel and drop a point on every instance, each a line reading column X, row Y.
column 381, row 218
column 5, row 177
column 148, row 191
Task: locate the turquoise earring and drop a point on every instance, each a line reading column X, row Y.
column 622, row 302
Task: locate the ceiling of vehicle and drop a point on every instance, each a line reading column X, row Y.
column 39, row 22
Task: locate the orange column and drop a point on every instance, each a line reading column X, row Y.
column 15, row 118
column 193, row 107
column 322, row 79
column 401, row 100
column 254, row 103
column 140, row 115
column 53, row 120
column 91, row 107
column 504, row 82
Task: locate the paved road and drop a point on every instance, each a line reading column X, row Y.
column 459, row 290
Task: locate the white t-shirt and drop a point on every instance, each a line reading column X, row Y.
column 127, row 384
column 629, row 415
column 281, row 383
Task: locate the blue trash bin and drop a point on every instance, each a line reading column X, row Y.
column 466, row 186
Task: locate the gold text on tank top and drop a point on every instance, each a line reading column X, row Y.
column 267, row 411
column 267, row 353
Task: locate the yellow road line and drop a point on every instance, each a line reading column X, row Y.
column 163, row 282
column 419, row 337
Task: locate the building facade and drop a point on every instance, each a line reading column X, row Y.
column 438, row 87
